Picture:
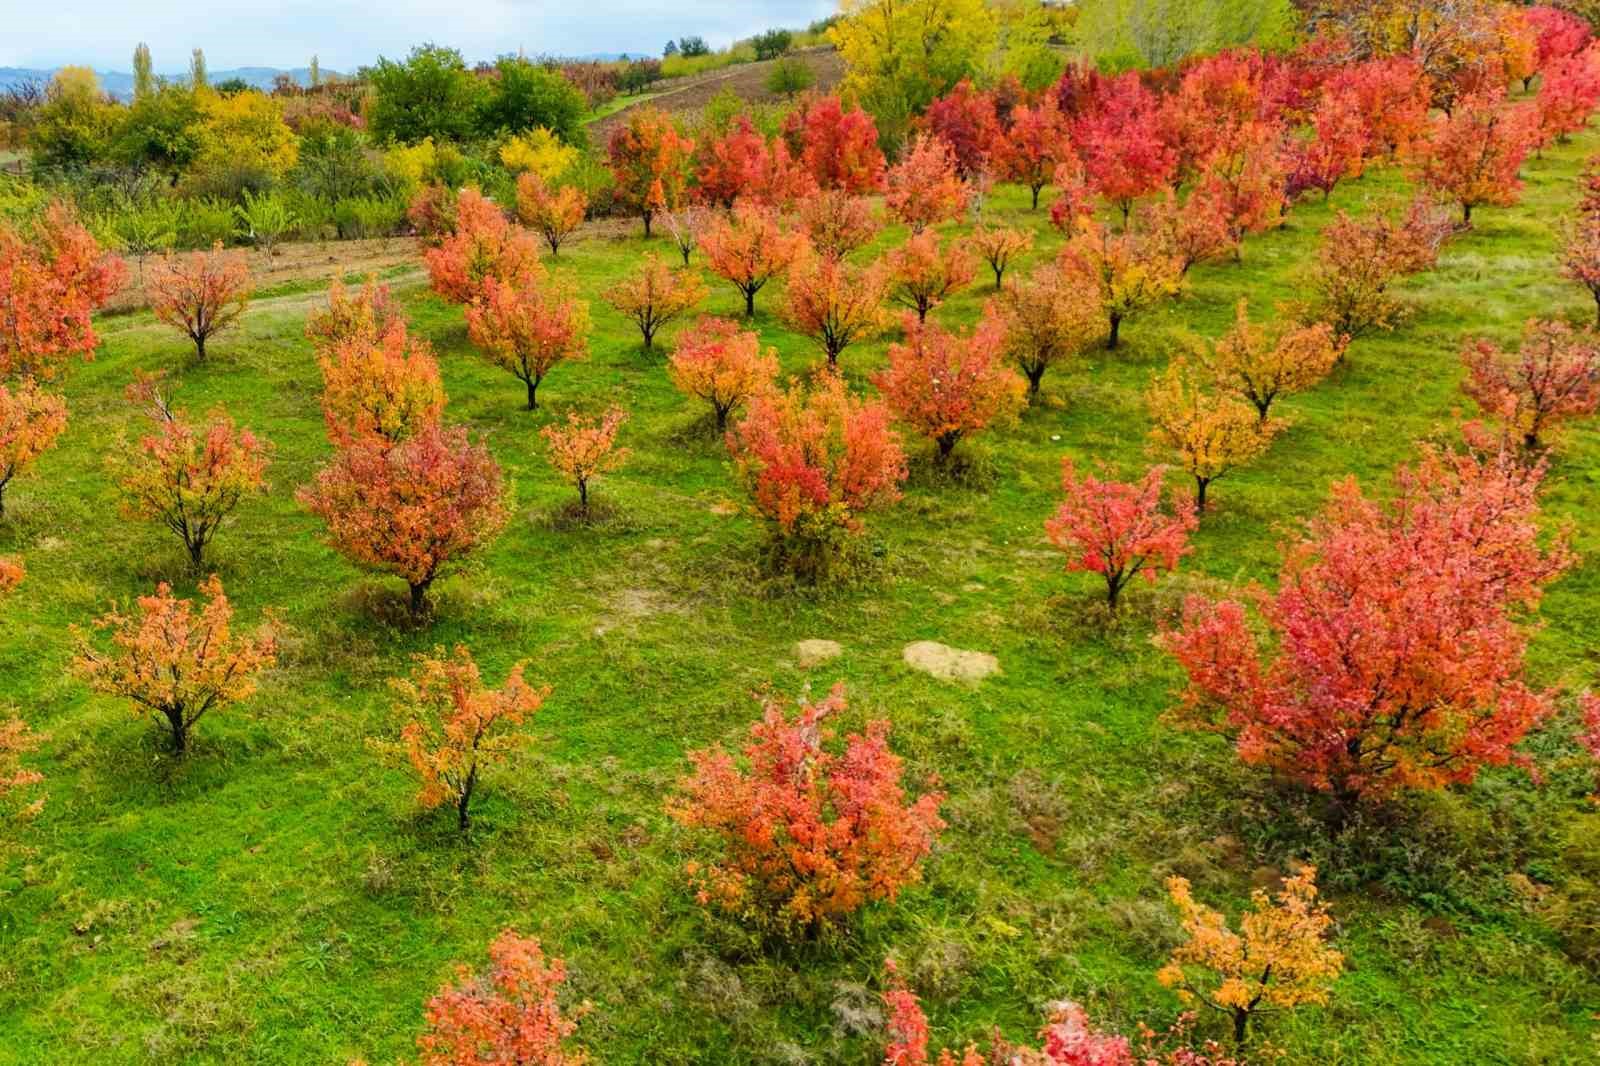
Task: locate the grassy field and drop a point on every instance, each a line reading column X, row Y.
column 276, row 897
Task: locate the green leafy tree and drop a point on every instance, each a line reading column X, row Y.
column 197, row 69
column 162, row 129
column 430, row 94
column 524, row 96
column 144, row 79
column 1159, row 33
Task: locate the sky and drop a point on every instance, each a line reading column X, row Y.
column 345, row 34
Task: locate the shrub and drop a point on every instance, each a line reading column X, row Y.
column 718, row 362
column 1359, row 260
column 1118, row 530
column 200, row 294
column 837, row 222
column 508, row 1015
column 804, row 837
column 789, row 77
column 585, row 448
column 999, row 247
column 947, row 386
column 263, row 219
column 482, row 245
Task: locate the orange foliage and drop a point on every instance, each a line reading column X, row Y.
column 721, row 364
column 509, row 1015
column 922, row 273
column 53, row 277
column 750, row 248
column 554, row 214
column 200, row 294
column 924, row 188
column 379, row 389
column 1260, row 366
column 368, row 314
column 999, row 247
column 649, row 163
column 1210, row 434
column 835, row 303
column 483, row 245
column 837, row 223
column 16, row 740
column 585, row 448
column 946, row 386
column 654, row 295
column 529, row 327
column 1553, row 377
column 30, row 421
column 1049, row 317
column 1127, row 271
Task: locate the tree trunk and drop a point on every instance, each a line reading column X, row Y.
column 750, row 303
column 647, row 225
column 200, row 349
column 463, row 818
column 1113, row 593
column 1116, row 330
column 1036, row 189
column 722, row 419
column 583, row 495
column 419, row 597
column 1597, row 308
column 197, row 550
column 1201, row 483
column 649, row 337
column 1466, row 214
column 1035, row 375
column 947, row 444
column 180, row 732
column 999, row 273
column 533, row 394
column 1241, row 1024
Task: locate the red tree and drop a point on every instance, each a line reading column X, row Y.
column 1190, row 233
column 1476, row 151
column 484, row 244
column 1118, row 530
column 965, row 120
column 1338, row 148
column 805, row 837
column 649, row 163
column 30, row 421
column 1124, row 156
column 838, row 147
column 718, row 362
column 200, row 294
column 750, row 248
column 1393, row 99
column 414, row 510
column 924, row 187
column 1580, row 254
column 729, row 166
column 1569, row 89
column 947, row 386
column 1558, row 34
column 1033, row 147
column 53, row 277
column 1553, row 377
column 508, row 1015
column 1396, row 661
column 1246, row 181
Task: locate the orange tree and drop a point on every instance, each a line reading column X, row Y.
column 947, row 386
column 835, row 303
column 30, row 421
column 53, row 277
column 1209, row 433
column 654, row 295
column 1259, row 366
column 200, row 294
column 379, row 388
column 508, row 1015
column 649, row 163
column 529, row 328
column 718, row 362
column 750, row 248
column 585, row 448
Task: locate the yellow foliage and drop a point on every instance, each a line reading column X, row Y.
column 244, row 131
column 411, row 164
column 540, row 152
column 1209, row 432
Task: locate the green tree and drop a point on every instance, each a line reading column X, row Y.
column 1157, row 33
column 430, row 94
column 314, row 74
column 197, row 69
column 523, row 96
column 162, row 129
column 77, row 124
column 144, row 79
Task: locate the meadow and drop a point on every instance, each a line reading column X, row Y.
column 276, row 897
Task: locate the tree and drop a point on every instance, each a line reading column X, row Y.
column 1552, row 378
column 529, row 328
column 431, row 94
column 741, row 164
column 30, row 421
column 964, row 119
column 835, row 303
column 455, row 726
column 1210, row 434
column 750, row 248
column 415, row 510
column 771, row 44
column 1396, row 661
column 718, row 362
column 1117, row 529
column 1338, row 148
column 379, row 390
column 1246, row 180
column 655, row 294
column 188, row 478
column 554, row 214
column 144, row 79
column 1279, row 959
column 1126, row 271
column 1119, row 142
column 789, row 77
column 1569, row 89
column 1050, row 317
column 200, row 294
column 649, row 159
column 1259, row 366
column 1358, row 260
column 53, row 277
column 1590, row 737
column 198, row 78
column 1580, row 255
column 836, row 222
column 947, row 386
column 999, row 247
column 509, row 1015
column 523, row 95
column 924, row 188
column 366, row 316
column 839, row 147
column 1034, row 146
column 1393, row 99
column 922, row 274
column 1558, row 34
column 174, row 661
column 685, row 226
column 1190, row 232
column 813, row 461
column 483, row 244
column 585, row 448
column 1476, row 152
column 804, row 837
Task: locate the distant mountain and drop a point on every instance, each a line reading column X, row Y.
column 120, row 84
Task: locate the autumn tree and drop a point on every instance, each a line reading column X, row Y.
column 1476, row 151
column 965, row 120
column 1118, row 529
column 1395, row 659
column 1589, row 738
column 1050, row 317
column 53, row 277
column 999, row 247
column 813, row 462
column 1190, row 232
column 924, row 188
column 947, row 386
column 1034, row 146
column 585, row 448
column 415, row 510
column 554, row 214
column 368, row 314
column 1209, row 433
column 1279, row 959
column 1246, row 181
column 1126, row 271
column 1337, row 149
column 923, row 273
column 379, row 388
column 649, row 163
column 839, row 147
column 1569, row 90
column 836, row 222
column 529, row 328
column 750, row 248
column 1580, row 255
column 200, row 294
column 715, row 361
column 185, row 476
column 1260, row 365
column 804, row 837
column 508, row 1015
column 1393, row 99
column 1358, row 261
column 654, row 295
column 30, row 421
column 1553, row 377
column 173, row 661
column 1119, row 142
column 684, row 227
column 454, row 726
column 740, row 164
column 484, row 244
column 835, row 303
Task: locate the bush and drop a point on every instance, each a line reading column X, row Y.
column 205, row 222
column 772, row 44
column 789, row 77
column 369, row 216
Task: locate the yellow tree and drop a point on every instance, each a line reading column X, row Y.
column 654, row 295
column 1259, row 365
column 1279, row 958
column 1209, row 433
column 1126, row 271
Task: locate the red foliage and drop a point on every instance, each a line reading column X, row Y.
column 1034, row 145
column 720, row 363
column 1476, row 151
column 838, row 147
column 741, row 164
column 1396, row 659
column 649, row 163
column 509, row 1015
column 1559, row 33
column 837, row 222
column 835, row 303
column 414, row 509
column 805, row 837
column 1553, row 377
column 1393, row 98
column 1590, row 737
column 924, row 187
column 1246, row 181
column 750, row 248
column 1338, row 148
column 1190, row 233
column 53, row 277
column 1124, row 156
column 484, row 244
column 200, row 294
column 947, row 386
column 529, row 328
column 1117, row 529
column 1580, row 254
column 1218, row 96
column 1569, row 89
column 965, row 120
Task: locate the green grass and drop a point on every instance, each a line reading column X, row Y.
column 276, row 897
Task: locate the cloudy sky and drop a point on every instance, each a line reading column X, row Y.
column 345, row 34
